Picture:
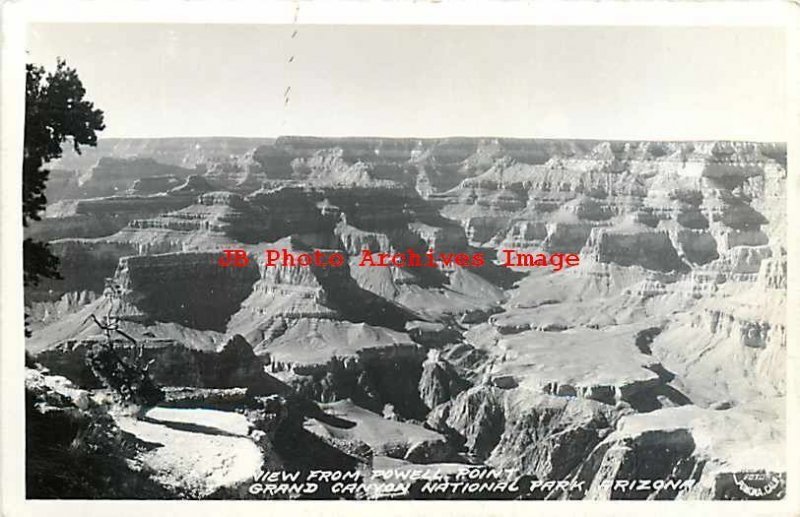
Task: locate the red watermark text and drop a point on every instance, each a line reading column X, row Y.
column 283, row 257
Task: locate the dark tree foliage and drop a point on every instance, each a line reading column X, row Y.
column 55, row 112
column 38, row 262
column 129, row 377
column 126, row 377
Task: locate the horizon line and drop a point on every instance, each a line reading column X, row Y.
column 450, row 137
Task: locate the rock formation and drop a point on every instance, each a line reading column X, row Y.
column 641, row 362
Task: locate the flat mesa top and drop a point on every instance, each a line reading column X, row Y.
column 577, row 357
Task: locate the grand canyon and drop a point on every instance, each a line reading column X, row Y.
column 661, row 356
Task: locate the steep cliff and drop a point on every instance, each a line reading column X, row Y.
column 206, row 304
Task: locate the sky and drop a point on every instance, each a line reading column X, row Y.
column 676, row 83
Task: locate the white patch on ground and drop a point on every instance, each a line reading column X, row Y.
column 228, row 422
column 197, row 451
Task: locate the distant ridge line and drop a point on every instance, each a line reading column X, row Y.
column 453, row 138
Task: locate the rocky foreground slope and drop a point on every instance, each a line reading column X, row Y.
column 659, row 357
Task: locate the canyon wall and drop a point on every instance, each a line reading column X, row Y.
column 636, row 363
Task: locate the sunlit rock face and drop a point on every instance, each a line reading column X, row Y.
column 549, row 437
column 639, row 362
column 477, row 415
column 647, row 248
column 222, row 213
column 154, row 184
column 739, row 332
column 690, row 445
column 235, row 172
column 440, row 382
column 116, row 175
column 708, row 186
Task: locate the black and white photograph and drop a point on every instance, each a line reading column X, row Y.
column 297, row 260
